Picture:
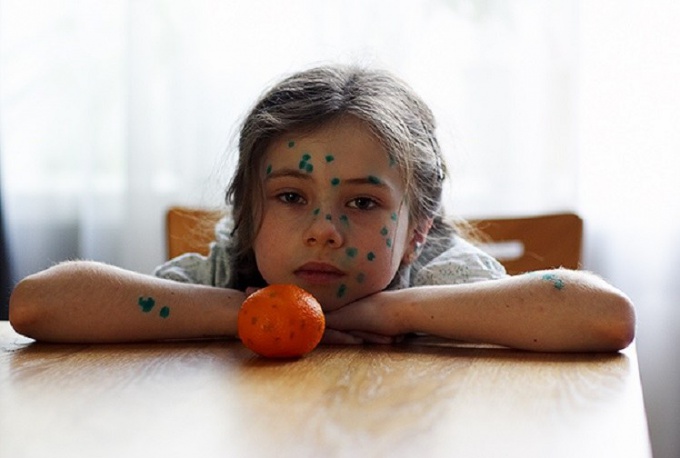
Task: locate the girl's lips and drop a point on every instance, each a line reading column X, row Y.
column 319, row 273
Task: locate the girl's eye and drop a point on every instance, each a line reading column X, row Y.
column 291, row 198
column 362, row 203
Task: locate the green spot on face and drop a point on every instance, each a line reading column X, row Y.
column 384, row 231
column 335, row 181
column 291, row 144
column 342, row 290
column 344, row 219
column 302, row 165
column 316, row 211
column 165, row 312
column 269, row 169
column 329, row 158
column 389, row 243
column 393, row 216
column 306, row 157
column 361, row 277
column 329, row 218
column 373, row 179
column 309, row 168
column 370, row 256
column 146, row 303
column 351, row 252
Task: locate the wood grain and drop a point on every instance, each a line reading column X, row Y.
column 216, row 398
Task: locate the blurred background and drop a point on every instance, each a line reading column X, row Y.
column 113, row 110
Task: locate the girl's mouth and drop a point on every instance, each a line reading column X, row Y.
column 319, row 273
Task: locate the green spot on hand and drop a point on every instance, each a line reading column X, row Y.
column 165, row 312
column 351, row 252
column 146, row 303
column 329, row 158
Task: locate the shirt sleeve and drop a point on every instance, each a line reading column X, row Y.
column 462, row 263
column 211, row 270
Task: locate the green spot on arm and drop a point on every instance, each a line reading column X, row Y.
column 146, row 303
column 165, row 312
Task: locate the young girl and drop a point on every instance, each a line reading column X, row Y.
column 338, row 190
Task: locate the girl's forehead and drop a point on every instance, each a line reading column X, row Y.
column 341, row 143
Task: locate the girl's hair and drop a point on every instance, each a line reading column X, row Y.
column 310, row 99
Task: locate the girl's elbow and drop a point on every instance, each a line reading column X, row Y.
column 620, row 323
column 24, row 308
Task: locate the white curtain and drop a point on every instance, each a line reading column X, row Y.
column 111, row 110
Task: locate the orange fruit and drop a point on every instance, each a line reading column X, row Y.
column 281, row 321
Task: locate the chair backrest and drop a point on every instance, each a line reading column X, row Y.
column 534, row 243
column 520, row 244
column 190, row 230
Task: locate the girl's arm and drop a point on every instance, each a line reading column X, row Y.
column 558, row 310
column 83, row 301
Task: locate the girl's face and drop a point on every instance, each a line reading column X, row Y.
column 335, row 216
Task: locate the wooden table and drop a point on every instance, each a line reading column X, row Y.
column 217, row 399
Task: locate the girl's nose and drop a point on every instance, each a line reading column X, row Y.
column 324, row 230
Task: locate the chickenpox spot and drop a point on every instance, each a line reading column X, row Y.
column 361, row 277
column 146, row 304
column 370, row 256
column 342, row 290
column 291, row 144
column 335, row 181
column 373, row 179
column 329, row 158
column 384, row 231
column 351, row 252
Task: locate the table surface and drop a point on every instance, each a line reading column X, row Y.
column 217, row 398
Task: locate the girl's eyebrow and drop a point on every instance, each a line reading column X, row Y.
column 369, row 180
column 288, row 173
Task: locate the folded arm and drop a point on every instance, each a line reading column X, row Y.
column 558, row 310
column 83, row 301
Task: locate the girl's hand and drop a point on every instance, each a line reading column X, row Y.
column 373, row 319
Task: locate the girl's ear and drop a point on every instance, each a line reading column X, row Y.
column 418, row 237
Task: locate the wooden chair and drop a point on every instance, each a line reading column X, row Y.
column 533, row 243
column 520, row 244
column 190, row 230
